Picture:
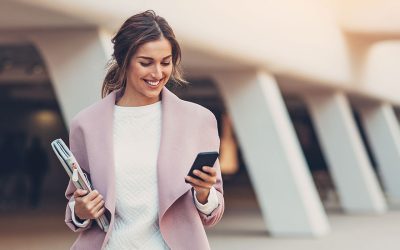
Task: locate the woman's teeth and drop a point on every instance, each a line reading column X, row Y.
column 152, row 83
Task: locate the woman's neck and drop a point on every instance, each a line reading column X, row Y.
column 131, row 100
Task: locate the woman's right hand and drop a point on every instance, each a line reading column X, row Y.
column 88, row 206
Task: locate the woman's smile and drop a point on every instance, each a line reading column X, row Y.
column 153, row 83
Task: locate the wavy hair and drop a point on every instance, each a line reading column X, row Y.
column 134, row 32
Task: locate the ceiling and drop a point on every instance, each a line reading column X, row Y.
column 14, row 15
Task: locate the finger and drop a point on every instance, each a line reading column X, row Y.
column 80, row 193
column 210, row 170
column 99, row 213
column 98, row 206
column 205, row 177
column 197, row 182
column 92, row 195
column 97, row 200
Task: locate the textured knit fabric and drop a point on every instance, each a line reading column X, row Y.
column 137, row 132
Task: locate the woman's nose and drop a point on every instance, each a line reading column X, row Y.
column 157, row 72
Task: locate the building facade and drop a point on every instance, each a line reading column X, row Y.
column 261, row 60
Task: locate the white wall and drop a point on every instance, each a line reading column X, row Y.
column 368, row 16
column 76, row 61
column 381, row 72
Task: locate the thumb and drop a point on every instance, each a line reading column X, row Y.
column 80, row 192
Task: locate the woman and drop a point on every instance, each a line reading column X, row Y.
column 137, row 145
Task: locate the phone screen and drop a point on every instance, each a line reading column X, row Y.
column 203, row 159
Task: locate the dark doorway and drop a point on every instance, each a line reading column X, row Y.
column 31, row 176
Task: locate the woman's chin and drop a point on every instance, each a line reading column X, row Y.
column 153, row 93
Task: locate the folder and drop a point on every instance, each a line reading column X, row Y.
column 74, row 171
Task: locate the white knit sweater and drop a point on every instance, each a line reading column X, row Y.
column 137, row 133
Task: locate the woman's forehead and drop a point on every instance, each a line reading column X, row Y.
column 158, row 49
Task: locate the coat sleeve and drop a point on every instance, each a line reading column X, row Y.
column 78, row 148
column 213, row 218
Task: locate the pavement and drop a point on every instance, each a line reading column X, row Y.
column 246, row 230
column 242, row 227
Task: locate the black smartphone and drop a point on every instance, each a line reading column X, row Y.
column 203, row 159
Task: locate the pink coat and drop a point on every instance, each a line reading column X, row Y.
column 187, row 129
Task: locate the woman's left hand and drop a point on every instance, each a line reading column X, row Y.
column 202, row 187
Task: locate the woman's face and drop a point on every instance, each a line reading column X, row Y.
column 149, row 70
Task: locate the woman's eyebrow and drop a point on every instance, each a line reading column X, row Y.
column 150, row 58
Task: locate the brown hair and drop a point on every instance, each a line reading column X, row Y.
column 135, row 31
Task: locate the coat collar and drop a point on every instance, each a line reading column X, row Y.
column 170, row 176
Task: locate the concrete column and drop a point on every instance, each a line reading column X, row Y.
column 289, row 202
column 75, row 60
column 351, row 170
column 383, row 132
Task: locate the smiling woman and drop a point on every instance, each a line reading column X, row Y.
column 149, row 138
column 148, row 72
column 148, row 40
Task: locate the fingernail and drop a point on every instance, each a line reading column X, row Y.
column 196, row 171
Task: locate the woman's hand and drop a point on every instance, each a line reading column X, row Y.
column 90, row 206
column 203, row 186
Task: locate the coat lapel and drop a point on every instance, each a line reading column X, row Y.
column 103, row 160
column 104, row 176
column 171, row 162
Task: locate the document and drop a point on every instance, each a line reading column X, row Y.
column 74, row 171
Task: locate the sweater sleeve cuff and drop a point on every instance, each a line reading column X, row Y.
column 71, row 205
column 211, row 205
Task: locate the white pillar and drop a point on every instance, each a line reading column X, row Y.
column 349, row 165
column 383, row 132
column 75, row 60
column 289, row 202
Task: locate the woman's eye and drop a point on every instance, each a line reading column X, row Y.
column 145, row 64
column 148, row 64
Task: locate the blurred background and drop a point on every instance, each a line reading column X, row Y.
column 306, row 95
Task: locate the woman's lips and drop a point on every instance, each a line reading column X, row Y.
column 153, row 83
